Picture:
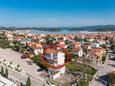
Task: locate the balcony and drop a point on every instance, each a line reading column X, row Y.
column 51, row 60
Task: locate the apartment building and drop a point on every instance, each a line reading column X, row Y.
column 55, row 58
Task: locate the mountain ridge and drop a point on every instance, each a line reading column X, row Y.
column 53, row 29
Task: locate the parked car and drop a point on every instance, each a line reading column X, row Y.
column 29, row 62
column 24, row 56
column 39, row 70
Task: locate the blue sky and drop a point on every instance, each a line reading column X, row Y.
column 62, row 13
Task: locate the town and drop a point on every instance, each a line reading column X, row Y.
column 82, row 59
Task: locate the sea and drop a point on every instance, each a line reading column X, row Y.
column 55, row 32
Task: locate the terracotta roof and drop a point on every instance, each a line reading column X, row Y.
column 53, row 35
column 75, row 43
column 20, row 37
column 97, row 51
column 60, row 41
column 60, row 45
column 76, row 49
column 34, row 45
column 51, row 51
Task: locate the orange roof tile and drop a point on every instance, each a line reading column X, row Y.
column 76, row 49
column 60, row 45
column 97, row 51
column 50, row 51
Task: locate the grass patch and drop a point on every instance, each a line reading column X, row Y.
column 80, row 67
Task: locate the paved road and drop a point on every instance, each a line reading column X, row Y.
column 29, row 70
column 100, row 76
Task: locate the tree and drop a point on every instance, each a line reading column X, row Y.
column 103, row 58
column 111, row 78
column 103, row 46
column 72, row 56
column 2, row 71
column 77, row 39
column 49, row 39
column 67, row 42
column 28, row 82
column 113, row 46
column 6, row 73
column 4, row 43
column 85, row 50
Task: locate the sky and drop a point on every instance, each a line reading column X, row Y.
column 56, row 13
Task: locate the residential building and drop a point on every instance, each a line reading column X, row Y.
column 95, row 55
column 55, row 58
column 37, row 47
column 78, row 51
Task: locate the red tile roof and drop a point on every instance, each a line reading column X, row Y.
column 34, row 45
column 97, row 51
column 51, row 51
column 76, row 49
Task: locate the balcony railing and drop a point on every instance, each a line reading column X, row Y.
column 51, row 60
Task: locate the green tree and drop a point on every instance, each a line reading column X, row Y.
column 6, row 73
column 111, row 78
column 113, row 46
column 49, row 39
column 38, row 60
column 103, row 46
column 2, row 71
column 85, row 50
column 77, row 39
column 67, row 42
column 28, row 82
column 72, row 56
column 4, row 43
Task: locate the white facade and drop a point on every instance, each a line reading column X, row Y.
column 38, row 50
column 10, row 37
column 95, row 45
column 80, row 53
column 56, row 60
column 60, row 58
column 25, row 41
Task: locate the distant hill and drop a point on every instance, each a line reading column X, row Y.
column 94, row 28
column 56, row 29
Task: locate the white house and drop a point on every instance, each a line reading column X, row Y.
column 10, row 37
column 78, row 51
column 55, row 58
column 94, row 45
column 95, row 55
column 25, row 41
column 38, row 50
column 37, row 47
